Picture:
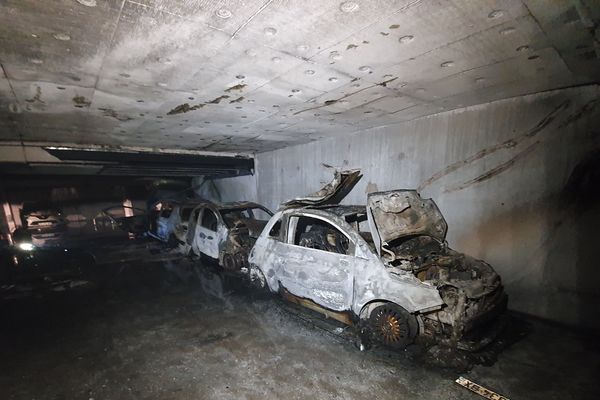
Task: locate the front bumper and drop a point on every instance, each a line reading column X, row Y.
column 483, row 337
column 470, row 333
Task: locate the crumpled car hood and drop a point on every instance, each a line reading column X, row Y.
column 402, row 213
column 332, row 193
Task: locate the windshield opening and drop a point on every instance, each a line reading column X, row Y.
column 234, row 217
column 360, row 223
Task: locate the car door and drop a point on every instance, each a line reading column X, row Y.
column 206, row 240
column 319, row 262
column 191, row 231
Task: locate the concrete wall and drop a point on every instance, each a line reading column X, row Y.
column 502, row 174
column 239, row 188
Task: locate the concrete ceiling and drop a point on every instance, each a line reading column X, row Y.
column 252, row 76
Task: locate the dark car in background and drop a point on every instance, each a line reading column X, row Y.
column 46, row 228
column 24, row 266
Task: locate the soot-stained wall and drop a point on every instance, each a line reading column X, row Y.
column 516, row 180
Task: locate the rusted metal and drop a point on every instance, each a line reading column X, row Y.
column 343, row 317
column 400, row 213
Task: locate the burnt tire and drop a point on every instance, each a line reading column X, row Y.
column 393, row 326
column 257, row 279
column 229, row 262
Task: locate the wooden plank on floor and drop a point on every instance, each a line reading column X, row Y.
column 480, row 390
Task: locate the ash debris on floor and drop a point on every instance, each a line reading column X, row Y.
column 179, row 331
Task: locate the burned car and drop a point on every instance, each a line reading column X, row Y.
column 160, row 215
column 171, row 221
column 384, row 267
column 225, row 232
column 184, row 219
column 120, row 218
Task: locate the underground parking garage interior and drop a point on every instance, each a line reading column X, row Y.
column 299, row 199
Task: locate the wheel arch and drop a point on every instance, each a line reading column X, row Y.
column 368, row 308
column 271, row 284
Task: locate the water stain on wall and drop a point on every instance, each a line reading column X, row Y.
column 109, row 112
column 185, row 107
column 81, row 101
column 218, row 99
column 543, row 123
column 238, row 87
column 588, row 107
column 489, row 174
column 37, row 98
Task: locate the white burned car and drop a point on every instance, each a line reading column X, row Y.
column 224, row 232
column 385, row 267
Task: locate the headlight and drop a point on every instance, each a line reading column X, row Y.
column 26, row 246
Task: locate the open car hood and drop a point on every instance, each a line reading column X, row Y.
column 332, row 193
column 402, row 213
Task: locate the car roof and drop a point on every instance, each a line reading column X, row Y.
column 191, row 203
column 340, row 211
column 237, row 204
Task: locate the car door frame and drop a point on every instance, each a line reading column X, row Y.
column 208, row 243
column 322, row 286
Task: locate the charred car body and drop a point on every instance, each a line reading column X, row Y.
column 224, row 232
column 385, row 266
column 170, row 224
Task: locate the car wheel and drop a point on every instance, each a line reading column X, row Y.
column 393, row 326
column 256, row 277
column 229, row 262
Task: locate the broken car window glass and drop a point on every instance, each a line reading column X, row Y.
column 275, row 230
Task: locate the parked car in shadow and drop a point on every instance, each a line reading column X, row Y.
column 25, row 263
column 45, row 228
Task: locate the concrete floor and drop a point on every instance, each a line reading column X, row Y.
column 142, row 334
